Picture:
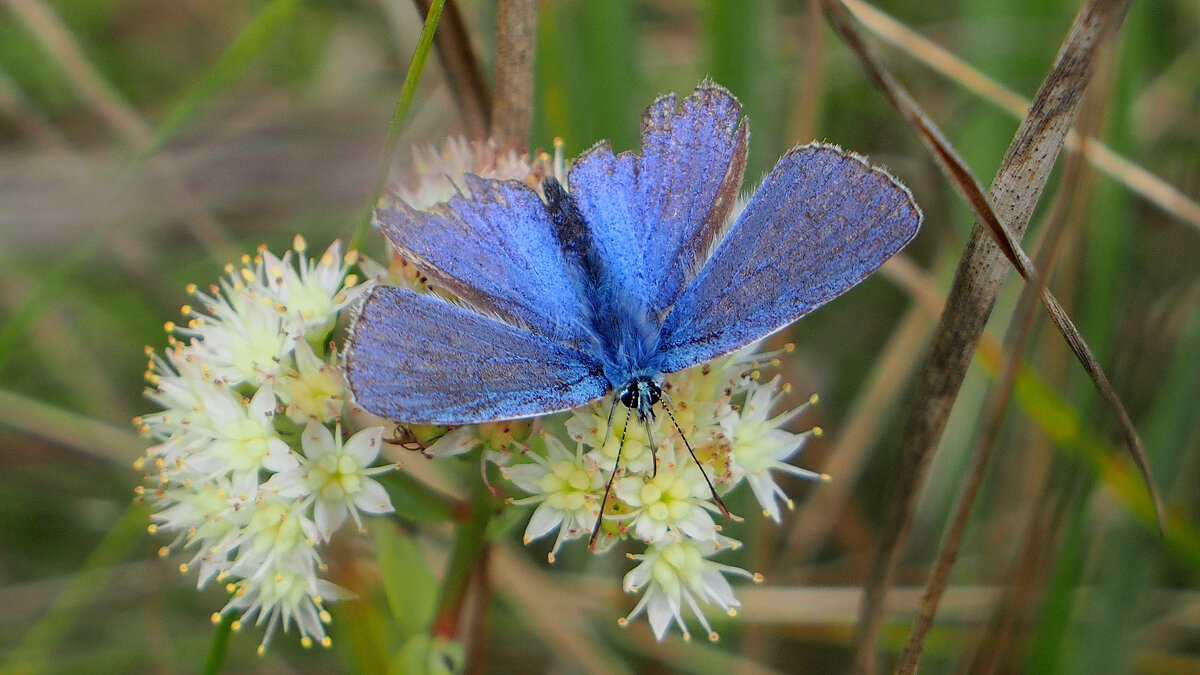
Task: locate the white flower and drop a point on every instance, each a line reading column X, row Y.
column 336, row 476
column 206, row 518
column 566, row 489
column 590, row 425
column 241, row 440
column 276, row 532
column 251, row 508
column 760, row 445
column 315, row 389
column 675, row 575
column 454, row 442
column 439, row 173
column 673, row 499
column 311, row 292
column 243, row 336
column 281, row 595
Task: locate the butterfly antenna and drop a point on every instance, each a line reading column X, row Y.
column 713, row 490
column 608, row 488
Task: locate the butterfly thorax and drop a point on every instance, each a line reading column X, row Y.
column 623, row 334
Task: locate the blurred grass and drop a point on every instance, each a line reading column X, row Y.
column 280, row 132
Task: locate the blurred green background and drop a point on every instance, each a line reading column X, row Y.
column 144, row 143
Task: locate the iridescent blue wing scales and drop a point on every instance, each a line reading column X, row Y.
column 820, row 223
column 495, row 249
column 419, row 359
column 653, row 217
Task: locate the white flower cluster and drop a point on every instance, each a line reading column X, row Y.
column 660, row 496
column 251, row 469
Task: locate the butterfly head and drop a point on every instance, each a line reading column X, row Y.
column 640, row 396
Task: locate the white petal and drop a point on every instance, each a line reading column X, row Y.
column 373, row 498
column 306, row 358
column 526, row 476
column 717, row 589
column 365, row 445
column 659, row 612
column 317, row 440
column 279, row 456
column 629, row 490
column 329, row 517
column 699, row 525
column 764, row 491
column 638, row 577
column 262, row 406
column 543, row 521
column 454, row 443
column 290, row 484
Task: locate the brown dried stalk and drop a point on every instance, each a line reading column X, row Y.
column 991, row 421
column 463, row 73
column 1140, row 181
column 515, row 39
column 1003, row 218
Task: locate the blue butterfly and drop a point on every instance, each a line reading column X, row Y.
column 633, row 273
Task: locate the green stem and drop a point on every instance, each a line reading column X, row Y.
column 220, row 645
column 415, row 67
column 463, row 562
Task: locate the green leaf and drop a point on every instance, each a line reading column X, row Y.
column 410, row 585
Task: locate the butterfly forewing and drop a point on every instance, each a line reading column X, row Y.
column 820, row 223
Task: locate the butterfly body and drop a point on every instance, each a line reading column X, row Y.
column 634, row 272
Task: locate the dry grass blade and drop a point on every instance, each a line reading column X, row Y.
column 1035, row 148
column 118, row 113
column 457, row 57
column 92, row 86
column 1018, row 185
column 990, row 426
column 82, row 434
column 1154, row 189
column 515, row 39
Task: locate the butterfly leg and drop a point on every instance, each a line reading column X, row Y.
column 608, row 487
column 611, row 411
column 650, row 442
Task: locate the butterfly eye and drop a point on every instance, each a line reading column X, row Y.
column 653, row 392
column 629, row 397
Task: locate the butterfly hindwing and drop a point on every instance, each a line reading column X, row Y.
column 820, row 223
column 495, row 249
column 655, row 215
column 419, row 359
